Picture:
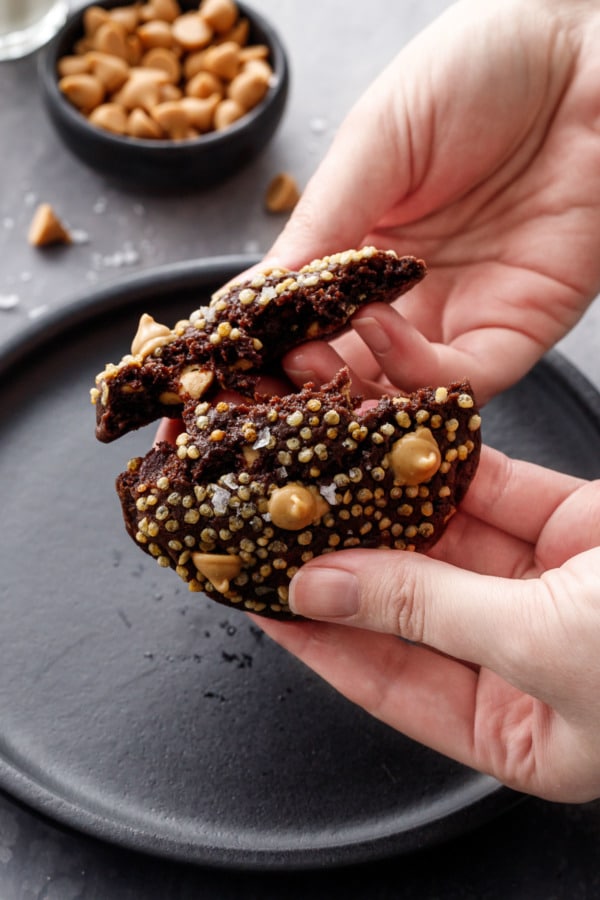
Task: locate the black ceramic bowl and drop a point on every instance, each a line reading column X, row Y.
column 164, row 164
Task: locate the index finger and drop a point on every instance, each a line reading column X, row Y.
column 516, row 496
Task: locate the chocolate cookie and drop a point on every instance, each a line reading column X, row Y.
column 244, row 329
column 252, row 491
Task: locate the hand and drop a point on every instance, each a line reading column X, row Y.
column 504, row 671
column 476, row 149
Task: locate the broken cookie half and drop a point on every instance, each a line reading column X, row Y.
column 251, row 491
column 244, row 328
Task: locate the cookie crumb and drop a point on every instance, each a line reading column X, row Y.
column 46, row 228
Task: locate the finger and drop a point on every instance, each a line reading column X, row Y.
column 486, row 620
column 167, row 430
column 319, row 362
column 406, row 357
column 410, row 360
column 517, row 628
column 515, row 496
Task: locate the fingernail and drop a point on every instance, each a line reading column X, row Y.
column 324, row 593
column 301, row 376
column 298, row 371
column 373, row 334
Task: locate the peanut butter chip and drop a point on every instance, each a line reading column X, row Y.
column 46, row 228
column 415, row 458
column 295, row 506
column 149, row 336
column 218, row 568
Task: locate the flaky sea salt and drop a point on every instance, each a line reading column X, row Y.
column 79, row 236
column 328, row 492
column 264, row 436
column 9, row 301
column 37, row 311
column 220, row 500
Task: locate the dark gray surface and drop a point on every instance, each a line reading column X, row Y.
column 538, row 849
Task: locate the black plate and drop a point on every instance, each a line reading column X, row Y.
column 151, row 717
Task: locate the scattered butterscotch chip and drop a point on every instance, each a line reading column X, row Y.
column 46, row 228
column 282, row 193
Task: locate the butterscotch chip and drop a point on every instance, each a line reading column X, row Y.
column 93, row 18
column 134, row 49
column 248, row 88
column 260, row 68
column 282, row 193
column 415, row 457
column 142, row 88
column 160, row 9
column 111, row 117
column 239, row 33
column 156, row 33
column 296, row 506
column 221, row 15
column 227, row 112
column 222, row 60
column 111, row 38
column 149, row 335
column 254, row 52
column 192, row 31
column 172, row 118
column 46, row 228
column 73, row 65
column 204, row 84
column 164, row 59
column 112, row 71
column 141, row 125
column 169, row 92
column 218, row 569
column 85, row 91
column 199, row 111
column 127, row 16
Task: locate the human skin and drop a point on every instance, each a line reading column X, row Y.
column 477, row 149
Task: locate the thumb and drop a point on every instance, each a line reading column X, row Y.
column 482, row 619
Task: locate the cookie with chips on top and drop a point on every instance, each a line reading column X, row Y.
column 251, row 491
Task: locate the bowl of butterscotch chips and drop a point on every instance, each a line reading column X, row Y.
column 166, row 93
